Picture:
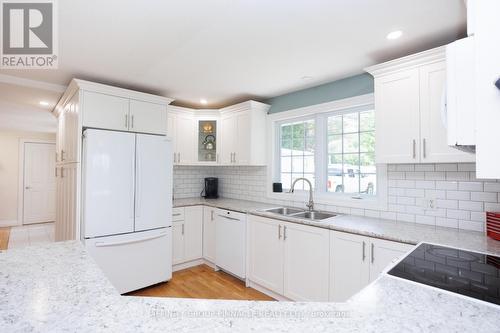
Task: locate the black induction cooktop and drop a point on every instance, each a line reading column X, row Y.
column 463, row 272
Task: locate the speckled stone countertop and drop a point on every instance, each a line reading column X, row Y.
column 410, row 233
column 58, row 288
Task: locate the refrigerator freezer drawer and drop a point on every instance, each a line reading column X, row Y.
column 134, row 261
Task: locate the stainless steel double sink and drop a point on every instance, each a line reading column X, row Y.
column 300, row 213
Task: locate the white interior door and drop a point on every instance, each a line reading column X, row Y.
column 39, row 183
column 109, row 174
column 153, row 184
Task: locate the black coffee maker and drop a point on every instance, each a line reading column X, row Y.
column 211, row 188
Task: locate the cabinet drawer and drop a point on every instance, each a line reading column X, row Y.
column 178, row 214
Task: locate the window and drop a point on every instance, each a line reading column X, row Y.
column 334, row 150
column 297, row 148
column 351, row 153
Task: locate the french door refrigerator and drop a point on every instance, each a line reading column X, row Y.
column 127, row 206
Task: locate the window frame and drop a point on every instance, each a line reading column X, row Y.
column 320, row 114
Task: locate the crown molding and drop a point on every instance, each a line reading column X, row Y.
column 248, row 105
column 411, row 61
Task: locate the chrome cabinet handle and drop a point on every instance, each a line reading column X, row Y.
column 126, row 121
column 62, row 172
column 234, row 158
column 176, row 214
column 279, row 231
column 28, row 187
column 62, row 155
column 372, row 253
column 183, row 228
column 414, row 148
column 424, row 149
column 211, row 215
column 132, row 121
column 56, row 156
column 56, row 172
column 175, row 158
column 178, row 157
column 284, row 233
column 364, row 250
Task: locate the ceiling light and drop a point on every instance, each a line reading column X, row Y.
column 394, row 34
column 43, row 103
column 203, row 101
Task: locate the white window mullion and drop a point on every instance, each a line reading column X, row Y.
column 321, row 153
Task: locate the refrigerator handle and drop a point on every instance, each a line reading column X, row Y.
column 138, row 180
column 135, row 240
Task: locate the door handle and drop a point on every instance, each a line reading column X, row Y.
column 176, row 214
column 175, row 158
column 178, row 157
column 56, row 156
column 364, row 250
column 372, row 253
column 234, row 158
column 424, row 149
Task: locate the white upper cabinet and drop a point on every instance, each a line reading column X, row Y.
column 243, row 134
column 409, row 97
column 397, row 117
column 434, row 139
column 181, row 129
column 148, row 117
column 119, row 109
column 105, row 111
column 487, row 66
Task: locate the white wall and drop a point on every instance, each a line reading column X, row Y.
column 461, row 199
column 9, row 171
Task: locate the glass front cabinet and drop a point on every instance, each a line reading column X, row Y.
column 207, row 141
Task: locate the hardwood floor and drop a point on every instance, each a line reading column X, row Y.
column 4, row 238
column 203, row 282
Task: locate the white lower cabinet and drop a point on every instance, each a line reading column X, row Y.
column 358, row 260
column 266, row 253
column 289, row 259
column 306, row 262
column 187, row 234
column 209, row 233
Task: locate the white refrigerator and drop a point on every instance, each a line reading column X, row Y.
column 127, row 206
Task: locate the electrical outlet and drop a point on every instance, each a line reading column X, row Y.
column 429, row 203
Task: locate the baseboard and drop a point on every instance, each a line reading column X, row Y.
column 268, row 292
column 8, row 223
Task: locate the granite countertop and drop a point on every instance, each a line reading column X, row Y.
column 57, row 287
column 409, row 233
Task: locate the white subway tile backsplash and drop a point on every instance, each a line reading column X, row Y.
column 461, row 199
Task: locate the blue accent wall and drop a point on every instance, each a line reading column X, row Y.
column 349, row 87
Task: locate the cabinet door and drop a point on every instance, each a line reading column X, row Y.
column 148, row 117
column 266, row 253
column 105, row 111
column 350, row 265
column 60, row 137
column 306, row 262
column 383, row 253
column 209, row 234
column 178, row 242
column 434, row 140
column 243, row 133
column 60, row 200
column 185, row 140
column 397, row 117
column 70, row 150
column 193, row 233
column 228, row 138
column 487, row 26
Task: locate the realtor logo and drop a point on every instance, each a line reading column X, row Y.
column 28, row 34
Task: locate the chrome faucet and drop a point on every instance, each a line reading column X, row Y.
column 309, row 205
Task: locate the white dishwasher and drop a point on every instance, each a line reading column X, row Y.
column 230, row 242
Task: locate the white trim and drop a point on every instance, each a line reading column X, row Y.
column 267, row 292
column 379, row 202
column 411, row 61
column 8, row 223
column 193, row 263
column 20, row 189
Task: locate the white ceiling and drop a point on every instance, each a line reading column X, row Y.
column 229, row 50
